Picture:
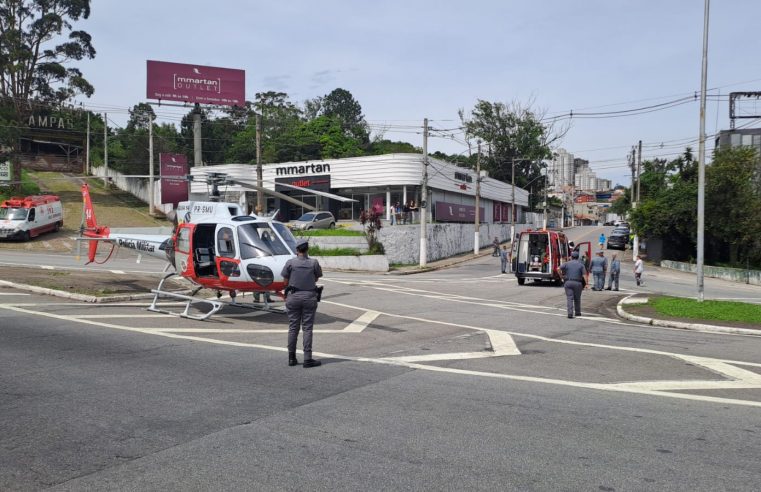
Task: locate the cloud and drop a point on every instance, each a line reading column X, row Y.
column 276, row 82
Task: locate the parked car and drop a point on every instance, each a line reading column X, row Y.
column 621, row 230
column 617, row 241
column 314, row 220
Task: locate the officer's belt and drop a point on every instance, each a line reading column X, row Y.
column 573, row 280
column 296, row 289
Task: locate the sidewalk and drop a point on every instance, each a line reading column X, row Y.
column 445, row 262
column 634, row 308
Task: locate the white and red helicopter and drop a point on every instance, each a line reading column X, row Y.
column 215, row 245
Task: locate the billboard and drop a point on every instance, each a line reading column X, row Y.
column 196, row 83
column 174, row 183
column 453, row 212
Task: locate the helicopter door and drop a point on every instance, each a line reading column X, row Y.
column 585, row 255
column 183, row 248
column 228, row 264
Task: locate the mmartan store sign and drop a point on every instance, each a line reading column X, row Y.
column 196, row 84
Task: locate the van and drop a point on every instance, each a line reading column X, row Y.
column 25, row 218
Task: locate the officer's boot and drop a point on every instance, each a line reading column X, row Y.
column 309, row 361
column 292, row 360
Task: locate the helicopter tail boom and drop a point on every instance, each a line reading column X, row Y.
column 90, row 226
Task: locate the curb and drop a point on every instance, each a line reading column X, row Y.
column 433, row 268
column 75, row 296
column 700, row 327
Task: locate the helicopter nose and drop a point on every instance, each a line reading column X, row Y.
column 260, row 274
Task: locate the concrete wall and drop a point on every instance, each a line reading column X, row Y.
column 402, row 243
column 136, row 186
column 752, row 277
column 328, row 242
column 365, row 263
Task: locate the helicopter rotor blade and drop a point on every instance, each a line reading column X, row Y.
column 276, row 194
column 321, row 193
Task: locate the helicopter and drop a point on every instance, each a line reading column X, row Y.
column 214, row 244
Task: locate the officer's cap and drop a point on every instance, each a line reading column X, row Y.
column 302, row 244
column 575, row 254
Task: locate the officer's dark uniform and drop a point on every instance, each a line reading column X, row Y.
column 301, row 273
column 573, row 273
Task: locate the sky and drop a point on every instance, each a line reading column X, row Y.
column 405, row 60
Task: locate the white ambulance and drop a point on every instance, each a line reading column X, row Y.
column 25, row 218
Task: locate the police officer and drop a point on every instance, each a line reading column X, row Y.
column 573, row 273
column 301, row 274
column 615, row 272
column 599, row 267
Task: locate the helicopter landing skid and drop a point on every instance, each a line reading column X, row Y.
column 258, row 306
column 190, row 300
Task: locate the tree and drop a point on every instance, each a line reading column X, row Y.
column 341, row 105
column 511, row 132
column 733, row 207
column 36, row 44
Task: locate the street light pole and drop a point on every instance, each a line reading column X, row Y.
column 702, row 156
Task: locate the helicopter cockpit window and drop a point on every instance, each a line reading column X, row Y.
column 225, row 243
column 287, row 236
column 183, row 240
column 258, row 240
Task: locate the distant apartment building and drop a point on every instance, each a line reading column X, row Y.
column 561, row 170
column 747, row 137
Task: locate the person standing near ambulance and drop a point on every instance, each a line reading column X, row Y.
column 301, row 274
column 573, row 273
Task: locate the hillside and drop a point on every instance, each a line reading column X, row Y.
column 113, row 207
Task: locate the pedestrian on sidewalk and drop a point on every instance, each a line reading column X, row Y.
column 639, row 268
column 503, row 258
column 573, row 274
column 602, row 240
column 495, row 244
column 599, row 267
column 615, row 272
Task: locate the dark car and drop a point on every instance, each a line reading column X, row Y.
column 621, row 230
column 618, row 241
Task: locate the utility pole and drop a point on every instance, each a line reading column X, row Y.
column 151, row 184
column 639, row 167
column 105, row 150
column 259, row 172
column 635, row 243
column 512, row 206
column 702, row 156
column 424, row 199
column 544, row 220
column 477, row 234
column 633, row 198
column 87, row 147
column 197, row 149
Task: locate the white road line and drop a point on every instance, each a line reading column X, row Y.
column 47, row 267
column 13, row 294
column 502, row 344
column 118, row 272
column 361, row 323
column 411, row 365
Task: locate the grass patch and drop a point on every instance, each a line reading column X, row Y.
column 28, row 187
column 317, row 251
column 709, row 310
column 328, row 232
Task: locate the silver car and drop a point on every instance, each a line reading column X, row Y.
column 314, row 220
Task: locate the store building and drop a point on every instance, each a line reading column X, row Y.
column 375, row 182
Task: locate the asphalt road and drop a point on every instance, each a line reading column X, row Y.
column 449, row 380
